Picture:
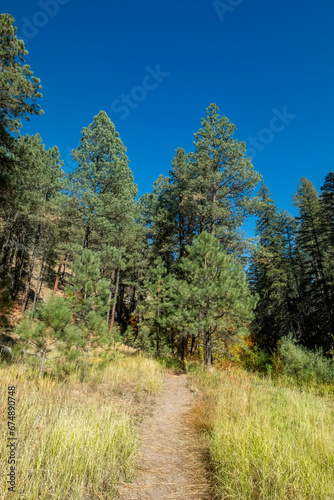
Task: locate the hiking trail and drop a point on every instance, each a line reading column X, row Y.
column 171, row 460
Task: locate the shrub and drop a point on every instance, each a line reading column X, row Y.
column 304, row 365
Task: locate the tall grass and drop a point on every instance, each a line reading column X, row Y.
column 146, row 373
column 75, row 441
column 267, row 442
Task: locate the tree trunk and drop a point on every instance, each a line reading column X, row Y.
column 114, row 304
column 182, row 349
column 110, row 295
column 192, row 348
column 121, row 297
column 108, row 313
column 58, row 274
column 185, row 355
column 25, row 297
column 86, row 360
column 38, row 284
column 207, row 349
column 158, row 342
column 17, row 274
column 42, row 362
column 86, row 240
column 7, row 244
column 64, row 269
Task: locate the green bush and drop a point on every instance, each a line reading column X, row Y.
column 258, row 360
column 173, row 364
column 304, row 365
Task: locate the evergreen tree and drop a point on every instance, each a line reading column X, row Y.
column 101, row 188
column 298, row 283
column 19, row 88
column 271, row 277
column 101, row 201
column 327, row 201
column 224, row 177
column 49, row 326
column 210, row 189
column 327, row 205
column 30, row 232
column 89, row 297
column 312, row 240
column 19, row 91
column 157, row 307
column 217, row 294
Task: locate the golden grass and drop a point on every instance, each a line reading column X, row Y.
column 267, row 442
column 145, row 373
column 75, row 441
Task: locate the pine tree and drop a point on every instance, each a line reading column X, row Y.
column 312, row 240
column 19, row 88
column 210, row 189
column 31, row 211
column 271, row 277
column 217, row 295
column 19, row 91
column 101, row 201
column 327, row 200
column 327, row 205
column 89, row 297
column 101, row 188
column 224, row 177
column 49, row 326
column 156, row 308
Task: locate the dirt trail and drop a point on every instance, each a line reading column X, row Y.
column 170, row 458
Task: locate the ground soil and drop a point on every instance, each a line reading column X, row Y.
column 171, row 461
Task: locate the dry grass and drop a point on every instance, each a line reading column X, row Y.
column 75, row 441
column 266, row 442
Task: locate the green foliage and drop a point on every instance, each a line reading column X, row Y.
column 47, row 327
column 312, row 239
column 88, row 294
column 173, row 364
column 170, row 264
column 271, row 276
column 215, row 298
column 207, row 190
column 19, row 88
column 5, row 284
column 157, row 308
column 101, row 189
column 129, row 337
column 304, row 365
column 87, row 290
column 258, row 360
column 19, row 91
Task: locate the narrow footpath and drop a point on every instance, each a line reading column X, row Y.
column 171, row 462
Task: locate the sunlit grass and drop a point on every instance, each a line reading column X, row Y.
column 74, row 440
column 144, row 372
column 267, row 441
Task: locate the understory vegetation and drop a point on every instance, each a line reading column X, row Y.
column 77, row 440
column 267, row 438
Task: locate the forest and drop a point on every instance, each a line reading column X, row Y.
column 110, row 302
column 170, row 271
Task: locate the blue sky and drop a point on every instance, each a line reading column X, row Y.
column 154, row 66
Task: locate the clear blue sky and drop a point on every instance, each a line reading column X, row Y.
column 253, row 58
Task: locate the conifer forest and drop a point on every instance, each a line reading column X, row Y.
column 100, row 285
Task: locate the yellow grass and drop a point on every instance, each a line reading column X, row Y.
column 75, row 441
column 268, row 442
